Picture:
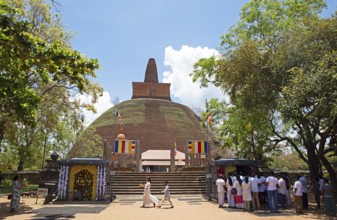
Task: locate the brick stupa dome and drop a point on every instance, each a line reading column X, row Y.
column 151, row 117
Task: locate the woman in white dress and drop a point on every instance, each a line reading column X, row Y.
column 148, row 198
column 238, row 197
column 247, row 193
column 230, row 196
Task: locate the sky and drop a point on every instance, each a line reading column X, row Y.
column 123, row 35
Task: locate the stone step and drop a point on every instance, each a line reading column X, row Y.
column 154, row 185
column 158, row 191
column 193, row 192
column 180, row 183
column 158, row 175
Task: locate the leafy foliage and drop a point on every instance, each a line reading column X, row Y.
column 40, row 74
column 85, row 147
column 279, row 70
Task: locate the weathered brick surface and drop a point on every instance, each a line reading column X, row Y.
column 151, row 90
column 151, row 74
column 152, row 118
column 158, row 124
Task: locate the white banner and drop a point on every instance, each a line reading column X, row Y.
column 42, row 191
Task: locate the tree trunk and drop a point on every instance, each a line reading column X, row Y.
column 2, row 130
column 313, row 162
column 253, row 146
column 20, row 166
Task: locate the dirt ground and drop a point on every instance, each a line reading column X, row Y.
column 128, row 207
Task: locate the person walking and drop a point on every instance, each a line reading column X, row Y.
column 272, row 184
column 304, row 181
column 148, row 198
column 297, row 190
column 16, row 194
column 246, row 194
column 167, row 195
column 220, row 183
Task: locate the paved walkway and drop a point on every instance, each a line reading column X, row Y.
column 186, row 207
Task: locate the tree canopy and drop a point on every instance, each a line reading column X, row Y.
column 40, row 74
column 278, row 68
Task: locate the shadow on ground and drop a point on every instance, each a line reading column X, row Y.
column 52, row 212
column 5, row 210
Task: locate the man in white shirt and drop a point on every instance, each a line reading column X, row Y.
column 272, row 184
column 282, row 190
column 254, row 181
column 220, row 183
column 304, row 181
column 262, row 188
column 298, row 195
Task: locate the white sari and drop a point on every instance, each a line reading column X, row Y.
column 148, row 198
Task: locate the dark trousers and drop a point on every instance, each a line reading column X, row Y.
column 305, row 200
column 318, row 198
column 263, row 197
column 282, row 200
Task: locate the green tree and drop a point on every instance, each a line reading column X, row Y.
column 39, row 75
column 279, row 65
column 287, row 161
column 242, row 132
column 88, row 144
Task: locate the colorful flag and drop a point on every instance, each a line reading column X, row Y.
column 117, row 114
column 197, row 147
column 125, row 146
column 209, row 118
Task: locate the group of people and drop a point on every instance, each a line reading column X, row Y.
column 149, row 199
column 242, row 191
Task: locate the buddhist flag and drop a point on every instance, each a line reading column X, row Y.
column 117, row 114
column 197, row 147
column 209, row 118
column 125, row 146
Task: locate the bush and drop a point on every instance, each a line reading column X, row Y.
column 29, row 188
column 5, row 186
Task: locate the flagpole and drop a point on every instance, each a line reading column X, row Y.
column 208, row 157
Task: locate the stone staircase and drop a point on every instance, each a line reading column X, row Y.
column 184, row 182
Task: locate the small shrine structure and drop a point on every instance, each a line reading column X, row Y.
column 82, row 179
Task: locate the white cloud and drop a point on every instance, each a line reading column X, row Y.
column 182, row 87
column 103, row 104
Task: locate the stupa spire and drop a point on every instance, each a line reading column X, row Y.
column 151, row 74
column 151, row 88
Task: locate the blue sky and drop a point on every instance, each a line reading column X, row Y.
column 123, row 35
